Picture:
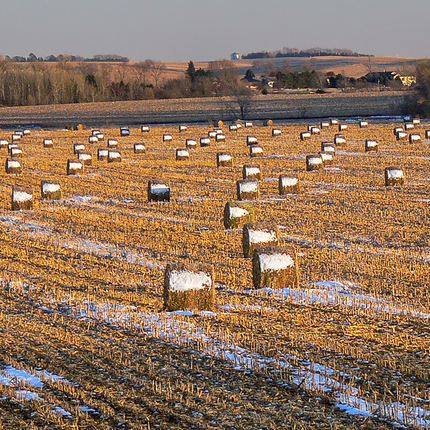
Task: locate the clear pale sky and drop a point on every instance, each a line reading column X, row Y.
column 201, row 30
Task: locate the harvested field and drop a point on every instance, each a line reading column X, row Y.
column 84, row 340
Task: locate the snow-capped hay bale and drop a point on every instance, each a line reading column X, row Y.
column 95, row 132
column 182, row 128
column 339, row 139
column 324, row 124
column 112, row 143
column 314, row 162
column 85, row 157
column 100, row 136
column 394, row 176
column 305, row 135
column 414, row 138
column 256, row 151
column 276, row 132
column 401, row 135
column 275, row 267
column 78, row 147
column 232, row 127
column 315, row 130
column 188, row 287
column 409, row 126
column 50, row 190
column 102, row 154
column 124, row 131
column 75, row 167
column 416, row 121
column 145, row 128
column 212, row 134
column 48, row 143
column 256, row 235
column 13, row 166
column 224, row 159
column 20, row 132
column 191, row 143
column 114, row 157
column 427, row 135
column 371, row 145
column 327, row 158
column 363, row 123
column 92, row 139
column 16, row 152
column 205, row 141
column 328, row 147
column 139, row 148
column 182, row 154
column 220, row 137
column 248, row 124
column 268, row 122
column 334, row 121
column 396, row 130
column 343, row 127
column 26, row 132
column 237, row 214
column 4, row 143
column 11, row 145
column 251, row 140
column 16, row 137
column 158, row 191
column 288, row 185
column 167, row 137
column 22, row 198
column 247, row 189
column 250, row 171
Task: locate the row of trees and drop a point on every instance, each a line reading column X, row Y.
column 294, row 52
column 66, row 57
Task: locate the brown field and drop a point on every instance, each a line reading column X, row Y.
column 84, row 342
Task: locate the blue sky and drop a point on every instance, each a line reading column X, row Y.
column 200, row 30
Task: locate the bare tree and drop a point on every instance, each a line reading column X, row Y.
column 155, row 70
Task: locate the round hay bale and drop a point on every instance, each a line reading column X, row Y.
column 220, row 138
column 26, row 132
column 16, row 152
column 85, row 157
column 13, row 166
column 414, row 138
column 78, row 147
column 16, row 137
column 371, row 145
column 250, row 171
column 145, row 128
column 251, row 140
column 100, row 137
column 416, row 121
column 95, row 132
column 102, row 154
column 182, row 154
column 334, row 121
column 343, row 127
column 315, row 130
column 256, row 151
column 276, row 132
column 232, row 127
column 247, row 189
column 397, row 129
column 191, row 143
column 124, row 131
column 363, row 123
column 75, row 167
column 324, row 124
column 288, row 185
column 22, row 198
column 11, row 145
column 167, row 137
column 248, row 124
column 4, row 143
column 48, row 143
column 237, row 214
column 275, row 267
column 182, row 128
column 339, row 139
column 328, row 147
column 139, row 148
column 314, row 162
column 188, row 287
column 205, row 141
column 327, row 158
column 224, row 159
column 393, row 176
column 112, row 143
column 305, row 135
column 114, row 157
column 158, row 191
column 92, row 139
column 50, row 190
column 401, row 135
column 212, row 134
column 409, row 126
column 256, row 235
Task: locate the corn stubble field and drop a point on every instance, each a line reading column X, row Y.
column 84, row 340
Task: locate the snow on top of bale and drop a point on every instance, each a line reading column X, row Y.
column 180, row 281
column 277, row 261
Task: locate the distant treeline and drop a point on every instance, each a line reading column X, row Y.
column 67, row 57
column 312, row 52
